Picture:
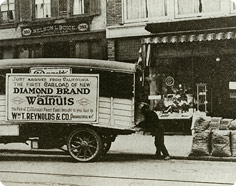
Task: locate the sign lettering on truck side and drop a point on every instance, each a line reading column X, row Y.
column 52, row 98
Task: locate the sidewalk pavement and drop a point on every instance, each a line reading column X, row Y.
column 179, row 147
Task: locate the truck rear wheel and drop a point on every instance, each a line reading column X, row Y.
column 84, row 145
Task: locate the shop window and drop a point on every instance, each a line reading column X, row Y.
column 81, row 7
column 30, row 51
column 145, row 9
column 8, row 11
column 96, row 50
column 23, row 53
column 62, row 7
column 188, row 8
column 42, row 8
column 82, row 50
column 89, row 50
column 7, row 53
column 56, row 50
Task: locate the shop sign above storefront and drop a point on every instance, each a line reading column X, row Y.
column 54, row 29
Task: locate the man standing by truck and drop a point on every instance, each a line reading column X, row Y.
column 152, row 123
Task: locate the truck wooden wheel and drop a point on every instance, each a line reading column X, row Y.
column 84, row 145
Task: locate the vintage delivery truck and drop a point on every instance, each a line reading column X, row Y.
column 81, row 103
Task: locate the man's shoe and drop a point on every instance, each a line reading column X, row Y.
column 167, row 158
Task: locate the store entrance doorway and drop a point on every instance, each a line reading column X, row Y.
column 56, row 50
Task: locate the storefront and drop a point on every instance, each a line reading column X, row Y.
column 73, row 39
column 53, row 29
column 191, row 71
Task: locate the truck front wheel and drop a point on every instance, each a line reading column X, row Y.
column 84, row 145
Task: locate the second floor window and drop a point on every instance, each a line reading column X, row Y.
column 233, row 6
column 8, row 10
column 81, row 7
column 143, row 9
column 198, row 7
column 42, row 8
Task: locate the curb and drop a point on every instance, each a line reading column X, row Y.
column 49, row 154
column 205, row 158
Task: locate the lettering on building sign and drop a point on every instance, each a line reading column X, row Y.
column 54, row 29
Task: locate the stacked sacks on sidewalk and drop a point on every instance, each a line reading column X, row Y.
column 201, row 138
column 232, row 128
column 214, row 136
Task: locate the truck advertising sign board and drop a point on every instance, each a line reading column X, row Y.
column 52, row 98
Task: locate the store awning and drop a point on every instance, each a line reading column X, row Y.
column 181, row 38
column 191, row 37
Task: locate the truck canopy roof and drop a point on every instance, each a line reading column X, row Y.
column 69, row 62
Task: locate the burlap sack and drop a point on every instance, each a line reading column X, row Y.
column 233, row 143
column 215, row 123
column 232, row 125
column 201, row 124
column 201, row 144
column 224, row 124
column 221, row 143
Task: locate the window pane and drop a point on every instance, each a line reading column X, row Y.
column 11, row 6
column 234, row 6
column 4, row 16
column 136, row 9
column 38, row 1
column 47, row 10
column 4, row 8
column 11, row 15
column 82, row 50
column 157, row 8
column 211, row 6
column 38, row 11
column 23, row 53
column 4, row 2
column 11, row 1
column 197, row 6
column 7, row 53
column 188, row 6
column 42, row 8
column 95, row 50
column 78, row 7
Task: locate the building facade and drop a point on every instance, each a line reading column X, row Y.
column 53, row 28
column 186, row 46
column 188, row 49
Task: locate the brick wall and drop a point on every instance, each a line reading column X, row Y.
column 114, row 12
column 111, row 49
column 127, row 49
